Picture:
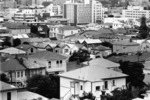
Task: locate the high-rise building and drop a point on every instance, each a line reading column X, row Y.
column 88, row 11
column 77, row 13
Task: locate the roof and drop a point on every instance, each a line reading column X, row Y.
column 101, row 48
column 103, row 63
column 91, row 41
column 12, row 50
column 35, row 39
column 92, row 74
column 11, row 64
column 24, row 47
column 147, row 65
column 67, row 27
column 31, row 65
column 11, row 25
column 47, row 56
column 125, row 43
column 131, row 58
column 6, row 86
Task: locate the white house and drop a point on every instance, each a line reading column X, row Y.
column 10, row 92
column 55, row 63
column 94, row 79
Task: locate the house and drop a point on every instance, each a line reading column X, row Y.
column 94, row 79
column 33, row 68
column 12, row 51
column 61, row 31
column 14, row 70
column 10, row 92
column 29, row 49
column 101, row 50
column 66, row 49
column 43, row 30
column 125, row 47
column 43, row 46
column 55, row 63
column 89, row 43
column 146, row 69
column 104, row 63
column 62, row 49
column 16, row 29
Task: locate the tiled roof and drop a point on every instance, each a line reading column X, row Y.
column 24, row 47
column 47, row 56
column 16, row 26
column 92, row 73
column 6, row 86
column 11, row 64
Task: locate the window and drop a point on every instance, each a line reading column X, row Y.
column 49, row 64
column 18, row 74
column 81, row 87
column 113, row 82
column 97, row 88
column 21, row 73
column 66, row 50
column 57, row 62
column 60, row 61
column 9, row 96
column 31, row 50
column 106, row 85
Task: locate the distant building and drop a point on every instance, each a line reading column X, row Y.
column 78, row 13
column 135, row 12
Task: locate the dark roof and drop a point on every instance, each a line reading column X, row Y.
column 131, row 58
column 126, row 43
column 47, row 56
column 11, row 64
column 4, row 31
column 67, row 27
column 101, row 48
column 24, row 47
column 11, row 25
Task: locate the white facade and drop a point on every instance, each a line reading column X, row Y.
column 80, row 86
column 51, row 66
column 97, row 11
column 19, row 31
column 135, row 12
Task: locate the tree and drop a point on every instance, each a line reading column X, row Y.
column 43, row 85
column 4, row 78
column 16, row 42
column 135, row 72
column 80, row 56
column 143, row 30
column 121, row 94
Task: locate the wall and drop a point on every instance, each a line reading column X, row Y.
column 69, row 32
column 54, row 67
column 125, row 49
column 13, row 95
column 19, row 31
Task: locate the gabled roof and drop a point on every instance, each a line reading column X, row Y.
column 47, row 56
column 92, row 73
column 6, row 86
column 11, row 64
column 12, row 50
column 24, row 47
